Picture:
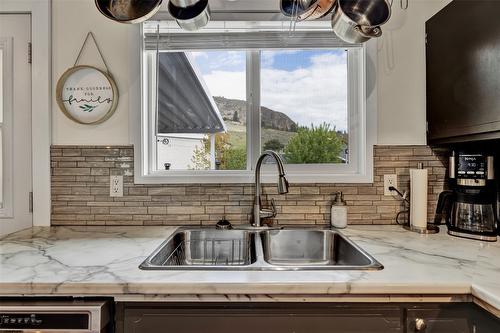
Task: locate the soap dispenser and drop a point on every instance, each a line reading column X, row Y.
column 338, row 216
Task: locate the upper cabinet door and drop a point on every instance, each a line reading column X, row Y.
column 463, row 72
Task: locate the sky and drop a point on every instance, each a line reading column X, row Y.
column 310, row 86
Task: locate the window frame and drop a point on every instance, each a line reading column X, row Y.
column 362, row 131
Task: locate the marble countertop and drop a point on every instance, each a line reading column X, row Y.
column 104, row 261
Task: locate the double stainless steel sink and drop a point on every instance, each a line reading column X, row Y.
column 276, row 249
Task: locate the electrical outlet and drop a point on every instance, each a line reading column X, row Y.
column 116, row 186
column 390, row 180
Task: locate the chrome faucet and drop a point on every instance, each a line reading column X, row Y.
column 258, row 212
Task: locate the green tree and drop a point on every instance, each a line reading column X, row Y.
column 229, row 157
column 274, row 144
column 234, row 159
column 317, row 144
column 343, row 136
column 201, row 157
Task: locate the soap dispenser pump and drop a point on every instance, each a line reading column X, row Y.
column 338, row 216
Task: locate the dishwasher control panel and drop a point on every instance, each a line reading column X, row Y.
column 13, row 319
column 54, row 315
column 78, row 321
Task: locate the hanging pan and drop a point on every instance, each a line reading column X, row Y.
column 128, row 11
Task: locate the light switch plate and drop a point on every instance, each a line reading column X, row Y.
column 116, row 186
column 390, row 180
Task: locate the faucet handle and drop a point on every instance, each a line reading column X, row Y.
column 273, row 207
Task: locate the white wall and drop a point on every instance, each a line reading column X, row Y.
column 401, row 73
column 401, row 81
column 71, row 21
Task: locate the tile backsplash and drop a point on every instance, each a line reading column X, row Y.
column 80, row 192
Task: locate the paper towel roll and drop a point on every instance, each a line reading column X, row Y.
column 418, row 198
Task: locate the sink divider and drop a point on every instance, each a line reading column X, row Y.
column 259, row 249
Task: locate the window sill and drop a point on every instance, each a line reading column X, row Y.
column 248, row 177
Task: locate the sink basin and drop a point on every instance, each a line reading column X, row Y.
column 202, row 249
column 289, row 249
column 315, row 248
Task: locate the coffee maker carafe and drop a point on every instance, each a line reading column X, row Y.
column 469, row 207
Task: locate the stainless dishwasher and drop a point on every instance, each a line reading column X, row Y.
column 44, row 316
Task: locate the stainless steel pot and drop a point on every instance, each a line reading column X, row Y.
column 190, row 14
column 294, row 7
column 184, row 3
column 128, row 11
column 356, row 21
column 306, row 10
column 317, row 10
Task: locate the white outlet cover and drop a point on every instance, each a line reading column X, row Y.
column 390, row 180
column 116, row 186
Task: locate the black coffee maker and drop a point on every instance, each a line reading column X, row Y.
column 469, row 208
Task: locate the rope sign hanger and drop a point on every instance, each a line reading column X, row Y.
column 86, row 94
column 90, row 35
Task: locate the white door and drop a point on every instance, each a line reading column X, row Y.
column 15, row 123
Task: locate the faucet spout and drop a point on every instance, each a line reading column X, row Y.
column 258, row 212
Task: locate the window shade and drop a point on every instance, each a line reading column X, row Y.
column 176, row 41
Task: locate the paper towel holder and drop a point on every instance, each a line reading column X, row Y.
column 429, row 228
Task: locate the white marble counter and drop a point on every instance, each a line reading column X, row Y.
column 104, row 261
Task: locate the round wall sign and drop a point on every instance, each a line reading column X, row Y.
column 87, row 95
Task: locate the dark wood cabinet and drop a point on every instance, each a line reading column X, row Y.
column 261, row 318
column 463, row 72
column 303, row 318
column 449, row 318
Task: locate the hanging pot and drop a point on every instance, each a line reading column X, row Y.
column 295, row 8
column 128, row 11
column 184, row 3
column 317, row 10
column 356, row 21
column 190, row 15
column 306, row 10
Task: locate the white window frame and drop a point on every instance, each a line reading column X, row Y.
column 361, row 137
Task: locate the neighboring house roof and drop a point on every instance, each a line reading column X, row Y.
column 185, row 104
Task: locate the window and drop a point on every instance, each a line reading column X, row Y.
column 201, row 111
column 213, row 102
column 304, row 105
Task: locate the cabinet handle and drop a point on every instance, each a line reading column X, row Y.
column 420, row 325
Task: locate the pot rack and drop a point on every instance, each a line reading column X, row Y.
column 298, row 7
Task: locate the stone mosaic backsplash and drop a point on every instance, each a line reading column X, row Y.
column 80, row 192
